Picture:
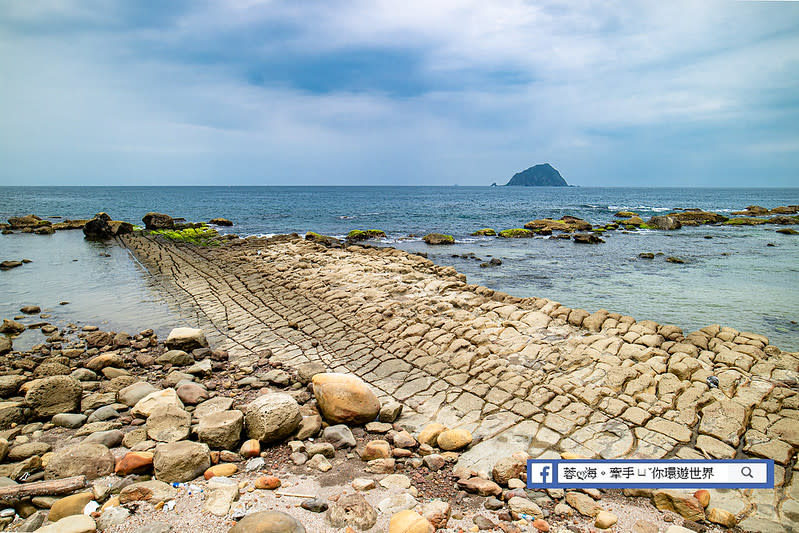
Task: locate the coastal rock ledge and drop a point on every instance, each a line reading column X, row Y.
column 522, row 375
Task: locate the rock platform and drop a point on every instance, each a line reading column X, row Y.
column 520, row 374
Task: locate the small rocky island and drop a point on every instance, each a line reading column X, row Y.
column 538, row 176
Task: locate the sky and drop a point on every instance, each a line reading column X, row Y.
column 374, row 92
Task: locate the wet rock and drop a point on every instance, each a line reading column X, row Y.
column 352, row 510
column 30, row 309
column 346, row 399
column 272, row 417
column 90, row 460
column 186, row 339
column 180, row 461
column 12, row 327
column 168, row 423
column 220, row 222
column 268, row 522
column 154, row 221
column 221, row 430
column 587, row 238
column 53, row 395
column 8, row 265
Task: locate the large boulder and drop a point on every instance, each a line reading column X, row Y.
column 272, row 417
column 267, row 522
column 160, row 398
column 664, row 223
column 221, row 430
column 158, row 221
column 131, row 394
column 90, row 460
column 12, row 327
column 10, row 384
column 53, row 395
column 346, row 399
column 168, row 423
column 178, row 462
column 186, row 339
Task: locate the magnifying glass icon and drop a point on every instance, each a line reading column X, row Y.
column 747, row 472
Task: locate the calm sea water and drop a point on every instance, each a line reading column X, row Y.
column 744, row 277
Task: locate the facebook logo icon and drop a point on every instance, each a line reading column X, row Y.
column 540, row 474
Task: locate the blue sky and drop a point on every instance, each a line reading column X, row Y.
column 251, row 92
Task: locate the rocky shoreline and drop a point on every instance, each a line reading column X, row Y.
column 452, row 387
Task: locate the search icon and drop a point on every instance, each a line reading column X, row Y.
column 747, row 472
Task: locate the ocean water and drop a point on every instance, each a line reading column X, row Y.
column 743, row 277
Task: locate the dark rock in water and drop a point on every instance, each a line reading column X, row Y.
column 158, row 221
column 438, row 238
column 646, row 255
column 492, row 263
column 11, row 327
column 697, row 216
column 98, row 229
column 788, row 231
column 27, row 221
column 119, row 227
column 324, row 240
column 30, row 309
column 102, row 215
column 538, row 176
column 8, row 265
column 5, row 345
column 44, row 230
column 486, row 232
column 675, row 260
column 587, row 238
column 220, row 222
column 664, row 223
column 361, row 235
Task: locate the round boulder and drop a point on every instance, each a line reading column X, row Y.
column 158, row 221
column 53, row 395
column 454, row 439
column 272, row 417
column 346, row 399
column 267, row 522
column 90, row 460
column 168, row 423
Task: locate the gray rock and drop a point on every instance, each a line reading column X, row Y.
column 221, row 430
column 272, row 417
column 306, row 371
column 339, row 436
column 131, row 394
column 175, row 358
column 110, row 439
column 29, row 449
column 390, row 412
column 106, row 412
column 186, row 339
column 214, row 405
column 84, row 374
column 55, row 394
column 200, row 368
column 113, row 516
column 90, row 460
column 168, row 423
column 396, row 503
column 9, row 385
column 324, row 448
column 33, row 522
column 180, row 461
column 352, row 510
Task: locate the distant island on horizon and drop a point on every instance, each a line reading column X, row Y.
column 544, row 175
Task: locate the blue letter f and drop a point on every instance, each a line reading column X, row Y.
column 544, row 474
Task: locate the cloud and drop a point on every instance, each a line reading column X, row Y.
column 372, row 93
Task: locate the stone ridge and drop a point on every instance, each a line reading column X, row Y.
column 524, row 374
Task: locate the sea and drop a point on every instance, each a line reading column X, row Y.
column 745, row 277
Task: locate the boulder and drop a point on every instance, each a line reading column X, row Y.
column 219, row 221
column 180, row 461
column 267, row 522
column 272, row 417
column 168, row 423
column 221, row 430
column 90, row 460
column 98, row 229
column 438, row 238
column 69, row 505
column 27, row 221
column 584, row 503
column 12, row 327
column 429, row 435
column 160, row 398
column 131, row 394
column 509, row 468
column 478, row 485
column 409, row 522
column 214, row 405
column 662, row 222
column 186, row 339
column 685, row 505
column 454, row 439
column 352, row 510
column 11, row 413
column 79, row 523
column 53, row 395
column 134, row 463
column 192, row 393
column 10, row 384
column 5, row 346
column 154, row 220
column 152, row 491
column 339, row 436
column 346, row 399
column 519, row 505
column 105, row 360
column 175, row 358
column 587, row 238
